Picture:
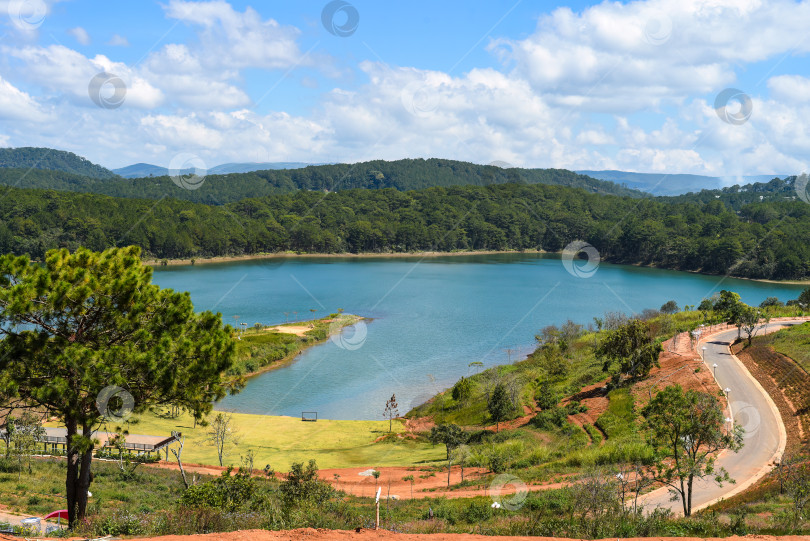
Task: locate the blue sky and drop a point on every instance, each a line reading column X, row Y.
column 576, row 85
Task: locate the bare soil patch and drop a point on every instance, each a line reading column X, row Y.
column 310, row 534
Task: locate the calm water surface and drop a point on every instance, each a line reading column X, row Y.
column 431, row 318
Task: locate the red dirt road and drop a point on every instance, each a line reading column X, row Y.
column 427, row 484
column 309, row 534
column 371, row 535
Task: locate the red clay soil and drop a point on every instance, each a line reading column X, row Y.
column 528, row 414
column 678, row 362
column 310, row 534
column 419, row 424
column 427, row 483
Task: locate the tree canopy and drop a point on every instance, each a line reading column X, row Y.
column 687, row 430
column 710, row 237
column 46, row 161
column 88, row 329
column 629, row 350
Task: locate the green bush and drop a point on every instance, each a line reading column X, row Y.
column 575, row 407
column 227, row 492
column 462, row 390
column 550, row 419
column 303, row 484
column 477, row 511
column 546, row 397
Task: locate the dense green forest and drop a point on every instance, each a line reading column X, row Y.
column 26, row 158
column 761, row 240
column 738, row 196
column 401, row 175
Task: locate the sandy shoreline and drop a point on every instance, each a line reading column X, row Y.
column 294, row 255
column 299, row 329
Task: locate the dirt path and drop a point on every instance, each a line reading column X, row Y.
column 427, row 483
column 310, row 534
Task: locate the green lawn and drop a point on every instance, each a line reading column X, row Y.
column 280, row 441
column 795, row 343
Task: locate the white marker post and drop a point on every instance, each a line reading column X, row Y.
column 377, row 502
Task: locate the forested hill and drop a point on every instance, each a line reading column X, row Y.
column 762, row 240
column 26, row 158
column 736, row 197
column 401, row 175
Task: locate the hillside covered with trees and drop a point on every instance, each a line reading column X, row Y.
column 26, row 158
column 401, row 175
column 762, row 240
column 738, row 196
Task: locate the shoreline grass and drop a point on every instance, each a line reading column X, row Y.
column 261, row 349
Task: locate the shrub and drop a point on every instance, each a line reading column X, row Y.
column 546, row 397
column 227, row 492
column 771, row 301
column 462, row 390
column 670, row 307
column 477, row 511
column 549, row 419
column 303, row 484
column 575, row 407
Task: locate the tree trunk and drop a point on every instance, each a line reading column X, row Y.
column 449, row 467
column 688, row 509
column 72, row 455
column 179, row 461
column 683, row 497
column 77, row 481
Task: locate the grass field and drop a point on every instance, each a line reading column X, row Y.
column 795, row 343
column 43, row 490
column 280, row 441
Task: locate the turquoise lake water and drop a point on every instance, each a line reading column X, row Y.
column 432, row 317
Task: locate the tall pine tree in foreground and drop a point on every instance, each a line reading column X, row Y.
column 87, row 327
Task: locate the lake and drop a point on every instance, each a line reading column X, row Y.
column 431, row 318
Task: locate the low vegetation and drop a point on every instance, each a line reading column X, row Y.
column 261, row 347
column 154, row 502
column 795, row 343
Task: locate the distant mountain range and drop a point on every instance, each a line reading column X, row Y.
column 141, row 170
column 674, row 184
column 64, row 171
column 45, row 168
